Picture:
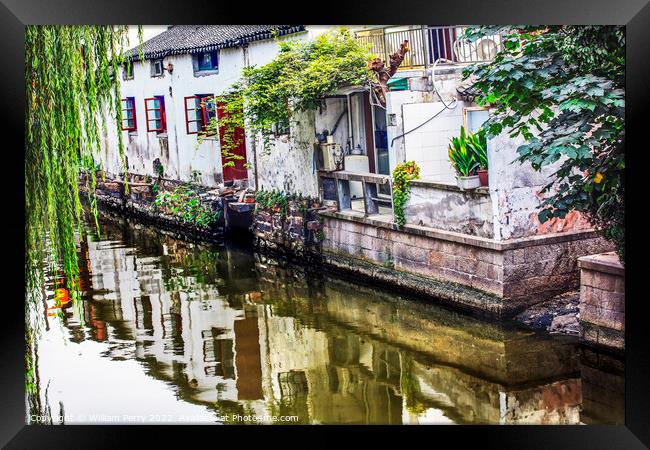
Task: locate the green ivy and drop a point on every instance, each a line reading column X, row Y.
column 402, row 175
column 298, row 79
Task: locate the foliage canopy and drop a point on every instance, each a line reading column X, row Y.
column 297, row 79
column 562, row 89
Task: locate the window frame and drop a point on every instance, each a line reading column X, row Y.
column 154, row 73
column 126, row 65
column 203, row 120
column 214, row 54
column 130, row 100
column 468, row 109
column 163, row 116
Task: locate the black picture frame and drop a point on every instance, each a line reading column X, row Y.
column 15, row 14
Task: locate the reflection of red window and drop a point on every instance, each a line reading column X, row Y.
column 155, row 111
column 199, row 110
column 98, row 327
column 128, row 114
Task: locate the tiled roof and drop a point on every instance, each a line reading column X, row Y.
column 181, row 39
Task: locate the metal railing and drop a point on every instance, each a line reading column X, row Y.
column 428, row 44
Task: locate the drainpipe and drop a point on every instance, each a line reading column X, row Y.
column 253, row 146
column 350, row 130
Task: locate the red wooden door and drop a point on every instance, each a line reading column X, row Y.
column 238, row 171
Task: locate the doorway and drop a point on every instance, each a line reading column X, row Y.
column 233, row 164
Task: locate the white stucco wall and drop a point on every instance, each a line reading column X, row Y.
column 515, row 190
column 289, row 165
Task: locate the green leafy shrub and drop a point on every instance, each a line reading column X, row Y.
column 185, row 204
column 301, row 75
column 477, row 143
column 562, row 88
column 272, row 200
column 462, row 157
column 402, row 175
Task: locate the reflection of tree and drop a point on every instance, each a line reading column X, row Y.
column 189, row 267
column 294, row 390
column 410, row 386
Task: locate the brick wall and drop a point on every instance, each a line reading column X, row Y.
column 602, row 300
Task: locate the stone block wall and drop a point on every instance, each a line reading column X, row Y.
column 110, row 193
column 296, row 230
column 602, row 300
column 537, row 268
column 447, row 207
column 473, row 272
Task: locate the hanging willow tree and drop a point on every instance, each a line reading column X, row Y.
column 71, row 76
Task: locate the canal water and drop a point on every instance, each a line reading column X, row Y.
column 168, row 331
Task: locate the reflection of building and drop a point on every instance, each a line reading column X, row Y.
column 262, row 339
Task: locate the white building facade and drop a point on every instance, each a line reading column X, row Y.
column 163, row 104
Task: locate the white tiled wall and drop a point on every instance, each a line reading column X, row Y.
column 428, row 144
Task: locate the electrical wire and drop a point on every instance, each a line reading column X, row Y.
column 452, row 105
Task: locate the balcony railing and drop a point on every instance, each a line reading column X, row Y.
column 429, row 44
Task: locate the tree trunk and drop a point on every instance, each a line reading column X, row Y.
column 384, row 73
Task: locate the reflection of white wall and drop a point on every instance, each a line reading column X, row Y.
column 286, row 345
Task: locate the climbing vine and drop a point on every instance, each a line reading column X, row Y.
column 302, row 74
column 70, row 77
column 402, row 175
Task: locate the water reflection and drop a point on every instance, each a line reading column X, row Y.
column 171, row 331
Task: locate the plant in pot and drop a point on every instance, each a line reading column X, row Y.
column 464, row 161
column 477, row 142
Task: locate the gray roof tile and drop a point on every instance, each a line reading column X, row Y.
column 182, row 39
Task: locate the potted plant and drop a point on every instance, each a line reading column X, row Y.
column 477, row 142
column 464, row 161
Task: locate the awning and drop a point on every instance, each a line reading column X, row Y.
column 398, row 83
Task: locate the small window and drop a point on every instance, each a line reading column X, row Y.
column 475, row 117
column 157, row 68
column 128, row 114
column 127, row 70
column 155, row 110
column 206, row 61
column 199, row 111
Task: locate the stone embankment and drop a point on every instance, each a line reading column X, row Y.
column 137, row 201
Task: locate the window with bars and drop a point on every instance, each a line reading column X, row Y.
column 129, row 122
column 200, row 109
column 157, row 69
column 155, row 111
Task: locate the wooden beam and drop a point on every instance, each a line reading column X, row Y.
column 343, row 194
